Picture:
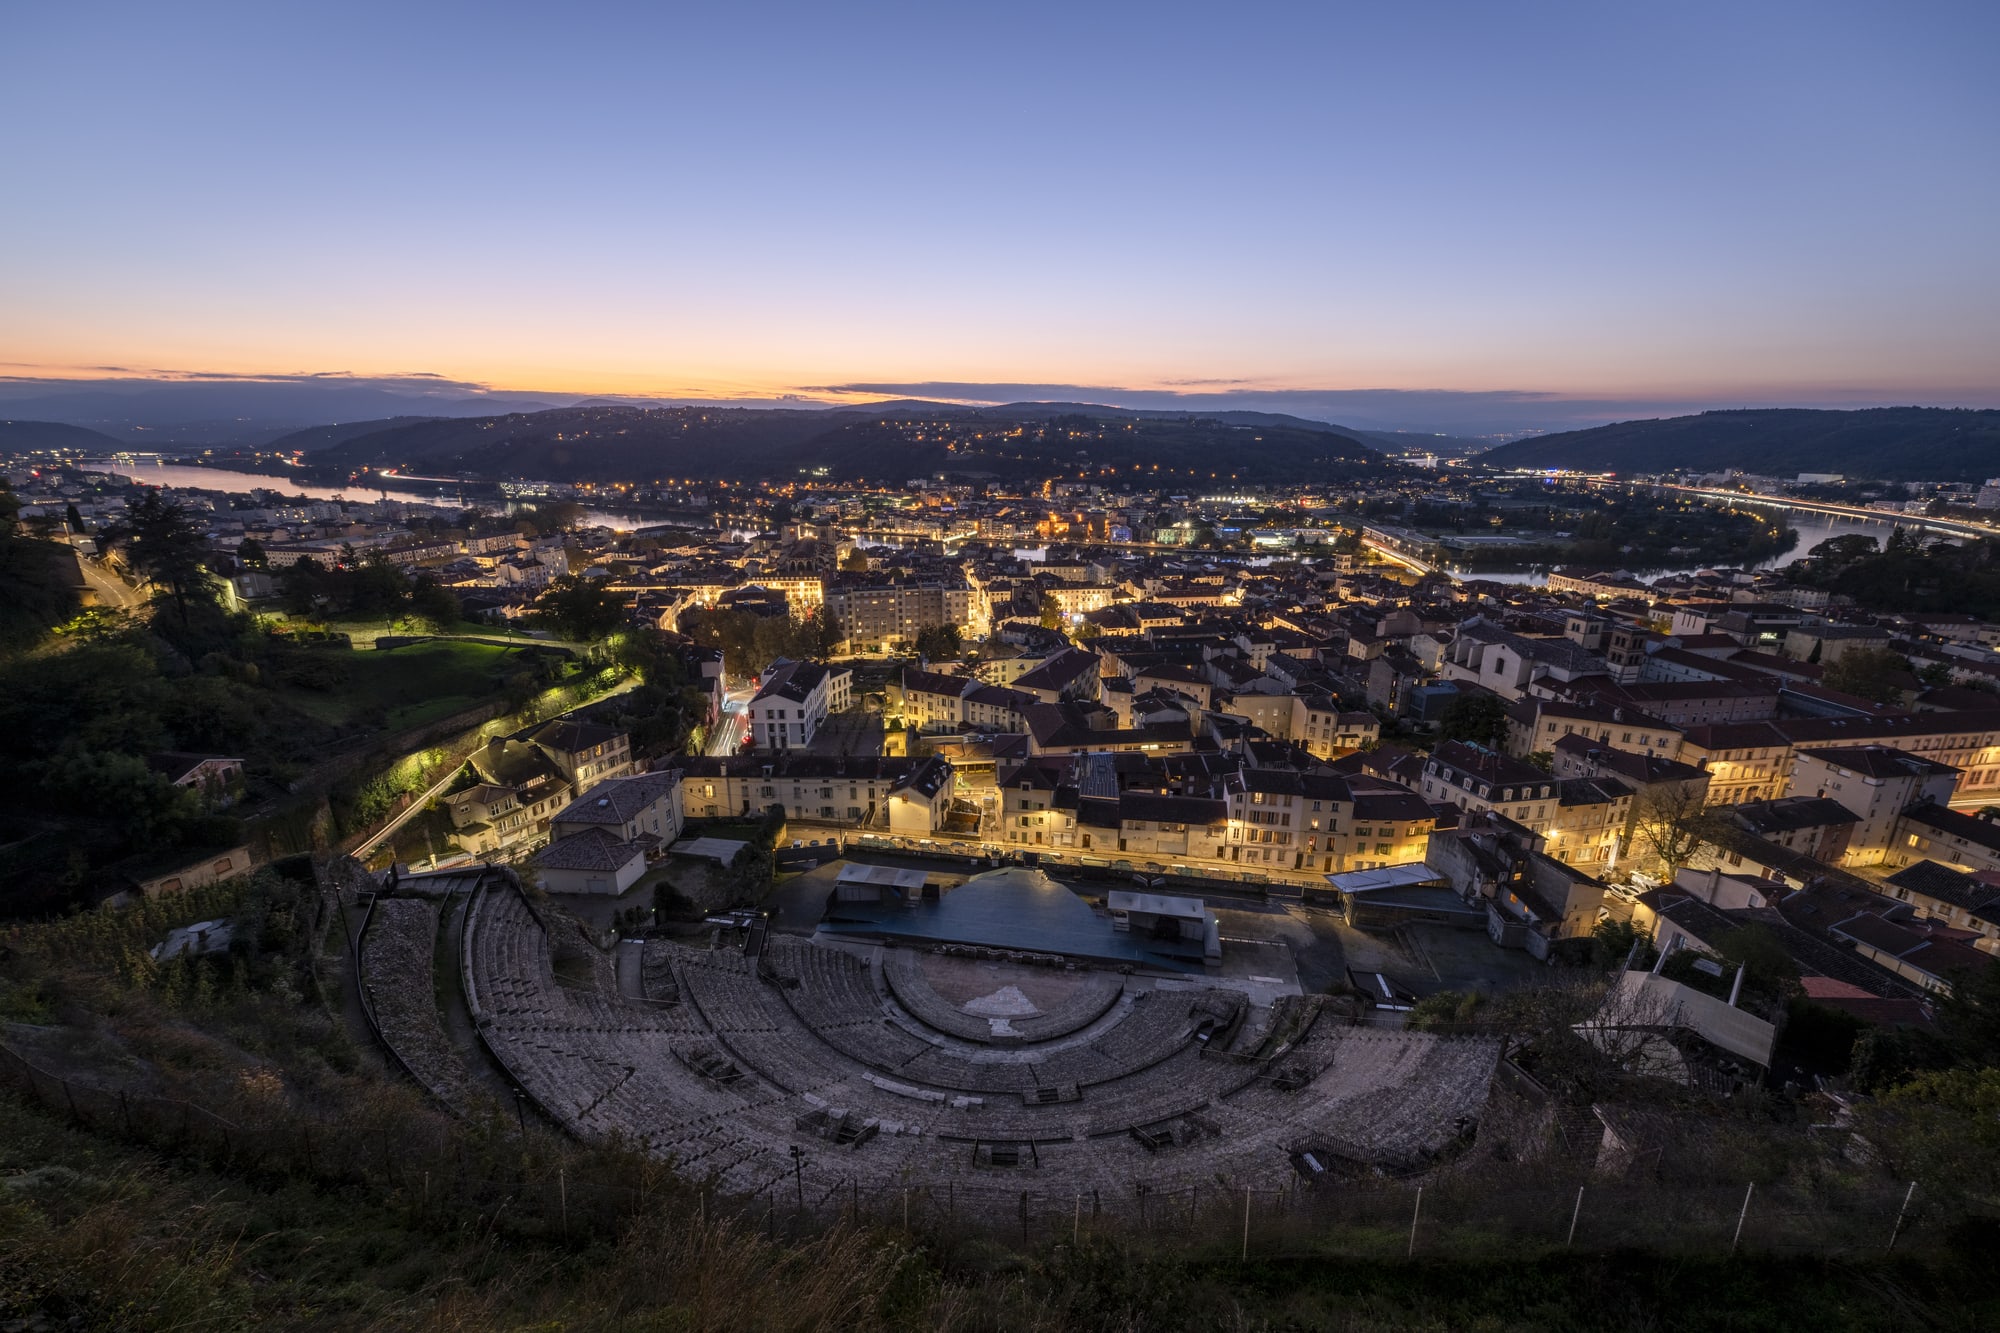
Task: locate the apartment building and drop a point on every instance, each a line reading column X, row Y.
column 937, row 703
column 1747, row 761
column 876, row 611
column 793, row 699
column 1877, row 783
column 826, row 789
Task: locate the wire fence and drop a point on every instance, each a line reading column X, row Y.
column 426, row 1170
column 1383, row 1220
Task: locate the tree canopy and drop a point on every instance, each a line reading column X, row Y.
column 579, row 608
column 37, row 592
column 940, row 643
column 169, row 547
column 1875, row 674
column 1475, row 716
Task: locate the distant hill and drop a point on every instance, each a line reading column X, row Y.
column 1886, row 443
column 877, row 443
column 55, row 435
column 1382, row 440
column 157, row 414
column 315, row 438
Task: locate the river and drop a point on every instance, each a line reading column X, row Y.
column 181, row 477
column 1813, row 528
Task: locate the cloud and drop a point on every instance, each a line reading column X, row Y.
column 133, row 377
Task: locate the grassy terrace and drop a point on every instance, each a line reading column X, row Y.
column 414, row 683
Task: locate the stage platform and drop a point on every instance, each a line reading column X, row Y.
column 1013, row 908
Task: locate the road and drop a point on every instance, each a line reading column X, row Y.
column 436, row 790
column 408, row 812
column 735, row 724
column 1407, row 561
column 1956, row 527
column 111, row 590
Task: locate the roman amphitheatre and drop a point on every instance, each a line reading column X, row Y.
column 827, row 1064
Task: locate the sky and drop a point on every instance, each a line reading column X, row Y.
column 1635, row 207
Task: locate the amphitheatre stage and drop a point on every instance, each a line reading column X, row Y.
column 1014, row 909
column 828, row 1069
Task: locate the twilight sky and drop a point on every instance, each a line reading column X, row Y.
column 1631, row 204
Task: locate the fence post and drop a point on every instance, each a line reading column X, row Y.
column 1024, row 1217
column 1575, row 1213
column 906, row 1207
column 1415, row 1213
column 1737, row 1238
column 562, row 1198
column 1245, row 1255
column 1076, row 1222
column 1897, row 1230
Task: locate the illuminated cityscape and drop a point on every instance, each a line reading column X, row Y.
column 1104, row 669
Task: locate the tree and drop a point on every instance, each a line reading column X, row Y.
column 1969, row 1014
column 1875, row 674
column 549, row 516
column 74, row 517
column 435, row 604
column 377, row 589
column 579, row 608
column 1667, row 826
column 822, row 634
column 855, row 561
column 1475, row 716
column 940, row 643
column 1767, row 964
column 250, row 554
column 1838, row 552
column 36, row 578
column 1052, row 616
column 167, row 546
column 302, row 584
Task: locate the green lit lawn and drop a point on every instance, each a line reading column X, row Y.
column 413, row 684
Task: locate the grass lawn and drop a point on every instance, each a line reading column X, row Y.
column 413, row 684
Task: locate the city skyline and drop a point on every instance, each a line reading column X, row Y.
column 1552, row 206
